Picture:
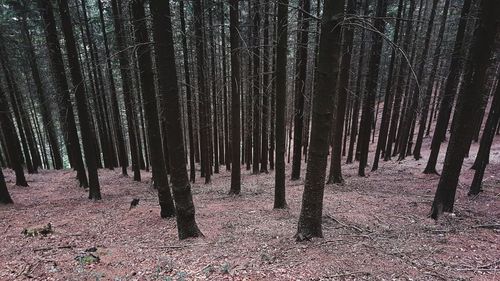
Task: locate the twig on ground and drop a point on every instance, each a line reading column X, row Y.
column 344, row 225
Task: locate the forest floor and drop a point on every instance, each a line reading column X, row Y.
column 375, row 228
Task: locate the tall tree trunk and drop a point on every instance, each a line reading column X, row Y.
column 300, row 86
column 281, row 58
column 328, row 68
column 407, row 132
column 81, row 102
column 44, row 103
column 343, row 87
column 256, row 88
column 128, row 97
column 265, row 92
column 371, row 87
column 235, row 96
column 450, row 90
column 163, row 37
column 189, row 97
column 117, row 123
column 359, row 94
column 18, row 109
column 482, row 158
column 203, row 94
column 150, row 108
column 4, row 192
column 430, row 87
column 13, row 148
column 480, row 53
column 388, row 98
column 67, row 117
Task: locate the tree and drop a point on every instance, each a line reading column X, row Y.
column 11, row 140
column 235, row 97
column 408, row 124
column 165, row 54
column 150, row 108
column 450, row 90
column 203, row 94
column 128, row 96
column 281, row 54
column 4, row 192
column 339, row 115
column 67, row 116
column 480, row 54
column 430, row 87
column 300, row 86
column 486, row 141
column 117, row 123
column 388, row 98
column 256, row 88
column 81, row 102
column 371, row 87
column 328, row 67
column 41, row 94
column 189, row 96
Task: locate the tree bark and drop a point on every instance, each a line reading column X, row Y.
column 165, row 55
column 235, row 97
column 479, row 58
column 450, row 90
column 281, row 58
column 328, row 67
column 81, row 102
column 300, row 86
column 150, row 108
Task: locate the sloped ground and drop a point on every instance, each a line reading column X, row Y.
column 375, row 228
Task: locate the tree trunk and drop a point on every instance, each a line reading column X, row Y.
column 430, row 87
column 486, row 141
column 67, row 117
column 117, row 123
column 300, row 86
column 281, row 58
column 235, row 96
column 13, row 148
column 388, row 98
column 189, row 98
column 81, row 102
column 128, row 97
column 343, row 87
column 203, row 94
column 328, row 67
column 150, row 108
column 371, row 87
column 450, row 90
column 162, row 34
column 4, row 192
column 480, row 53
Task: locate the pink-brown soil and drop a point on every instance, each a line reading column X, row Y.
column 375, row 228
